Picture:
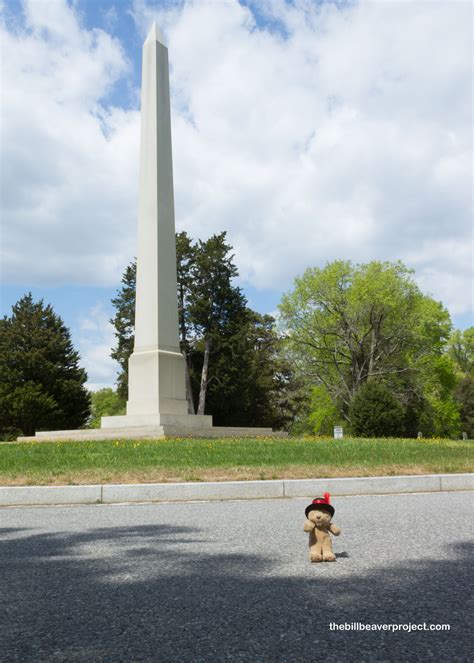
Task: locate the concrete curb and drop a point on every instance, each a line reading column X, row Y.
column 232, row 490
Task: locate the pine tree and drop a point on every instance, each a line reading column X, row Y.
column 41, row 383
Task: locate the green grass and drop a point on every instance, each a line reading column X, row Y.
column 200, row 460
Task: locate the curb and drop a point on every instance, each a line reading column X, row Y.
column 232, row 490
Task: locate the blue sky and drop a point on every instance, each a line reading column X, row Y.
column 309, row 131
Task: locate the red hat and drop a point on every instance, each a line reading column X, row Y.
column 321, row 503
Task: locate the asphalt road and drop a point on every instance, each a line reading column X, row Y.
column 231, row 581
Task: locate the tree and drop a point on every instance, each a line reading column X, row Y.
column 105, row 403
column 214, row 303
column 349, row 324
column 124, row 323
column 465, row 398
column 437, row 380
column 323, row 415
column 235, row 366
column 185, row 259
column 376, row 412
column 461, row 350
column 249, row 380
column 41, row 382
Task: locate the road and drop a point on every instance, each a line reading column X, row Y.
column 230, row 581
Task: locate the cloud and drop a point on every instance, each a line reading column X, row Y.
column 95, row 339
column 309, row 131
column 70, row 160
column 343, row 133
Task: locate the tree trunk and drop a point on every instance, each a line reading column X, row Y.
column 204, row 377
column 189, row 389
column 182, row 329
column 372, row 355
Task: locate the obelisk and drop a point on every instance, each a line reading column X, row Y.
column 156, row 367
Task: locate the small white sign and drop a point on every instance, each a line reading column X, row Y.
column 338, row 432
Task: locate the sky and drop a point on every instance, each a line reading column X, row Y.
column 308, row 130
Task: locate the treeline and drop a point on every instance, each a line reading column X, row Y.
column 355, row 345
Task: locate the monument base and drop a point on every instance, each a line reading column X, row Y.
column 150, row 432
column 181, row 420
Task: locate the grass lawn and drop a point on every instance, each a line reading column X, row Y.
column 136, row 461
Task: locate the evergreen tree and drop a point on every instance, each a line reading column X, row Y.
column 235, row 366
column 41, row 383
column 215, row 305
column 251, row 383
column 124, row 323
column 185, row 259
column 375, row 411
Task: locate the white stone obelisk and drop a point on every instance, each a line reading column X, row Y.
column 156, row 367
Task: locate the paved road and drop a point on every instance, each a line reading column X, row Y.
column 230, row 581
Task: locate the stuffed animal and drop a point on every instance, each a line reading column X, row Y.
column 318, row 524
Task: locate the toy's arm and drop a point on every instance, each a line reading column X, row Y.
column 334, row 529
column 308, row 526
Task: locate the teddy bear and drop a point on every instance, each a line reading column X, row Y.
column 318, row 524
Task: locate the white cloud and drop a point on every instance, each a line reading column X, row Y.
column 95, row 339
column 70, row 162
column 350, row 138
column 336, row 133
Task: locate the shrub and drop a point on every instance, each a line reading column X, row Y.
column 375, row 411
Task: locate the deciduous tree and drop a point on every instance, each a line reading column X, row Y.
column 351, row 324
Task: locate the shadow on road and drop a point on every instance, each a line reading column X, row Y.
column 145, row 594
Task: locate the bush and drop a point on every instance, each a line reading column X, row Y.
column 105, row 403
column 375, row 412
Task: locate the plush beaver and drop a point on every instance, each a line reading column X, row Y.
column 318, row 524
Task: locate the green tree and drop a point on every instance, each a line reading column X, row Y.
column 185, row 259
column 437, row 380
column 124, row 323
column 465, row 398
column 376, row 412
column 349, row 324
column 235, row 366
column 105, row 403
column 461, row 350
column 249, row 380
column 41, row 382
column 215, row 304
column 323, row 415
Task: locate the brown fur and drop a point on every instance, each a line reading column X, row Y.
column 319, row 526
